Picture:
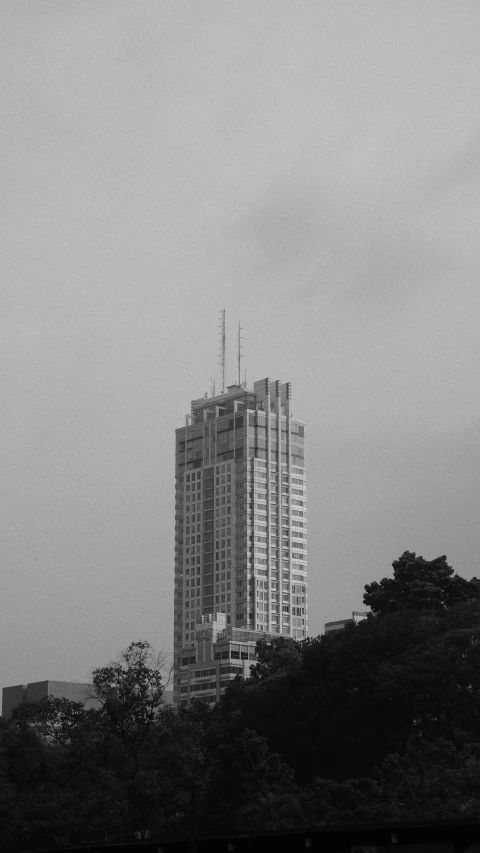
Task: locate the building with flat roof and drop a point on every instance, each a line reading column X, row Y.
column 357, row 616
column 75, row 691
column 240, row 534
column 34, row 691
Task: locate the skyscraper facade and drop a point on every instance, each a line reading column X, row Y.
column 240, row 534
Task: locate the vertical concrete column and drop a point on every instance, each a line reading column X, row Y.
column 269, row 573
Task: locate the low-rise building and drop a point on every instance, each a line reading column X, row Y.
column 34, row 691
column 357, row 616
column 217, row 655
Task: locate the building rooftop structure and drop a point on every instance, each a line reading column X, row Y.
column 357, row 616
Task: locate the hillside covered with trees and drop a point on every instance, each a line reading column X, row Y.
column 378, row 722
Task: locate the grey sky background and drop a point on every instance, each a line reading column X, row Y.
column 312, row 166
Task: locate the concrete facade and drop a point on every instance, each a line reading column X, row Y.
column 73, row 690
column 357, row 616
column 240, row 530
column 34, row 691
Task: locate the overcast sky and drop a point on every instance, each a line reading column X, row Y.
column 314, row 168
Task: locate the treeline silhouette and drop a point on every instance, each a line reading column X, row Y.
column 377, row 722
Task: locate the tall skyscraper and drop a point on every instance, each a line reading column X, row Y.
column 240, row 534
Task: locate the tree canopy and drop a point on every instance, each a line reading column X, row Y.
column 130, row 690
column 419, row 584
column 379, row 721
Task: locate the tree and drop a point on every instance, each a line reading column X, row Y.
column 328, row 802
column 131, row 689
column 432, row 781
column 440, row 672
column 370, row 688
column 77, row 794
column 419, row 584
column 245, row 784
column 276, row 657
column 329, row 693
column 84, row 774
column 380, row 721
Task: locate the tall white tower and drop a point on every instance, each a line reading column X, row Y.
column 240, row 534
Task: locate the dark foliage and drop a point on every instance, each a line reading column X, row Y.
column 419, row 584
column 380, row 721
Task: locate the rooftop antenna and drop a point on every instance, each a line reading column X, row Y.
column 222, row 354
column 239, row 354
column 212, row 388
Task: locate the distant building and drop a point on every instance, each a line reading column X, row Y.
column 75, row 691
column 34, row 691
column 357, row 616
column 240, row 534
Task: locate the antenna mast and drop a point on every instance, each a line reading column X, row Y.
column 222, row 354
